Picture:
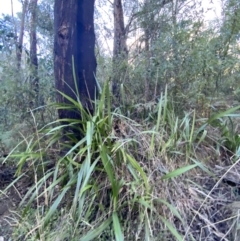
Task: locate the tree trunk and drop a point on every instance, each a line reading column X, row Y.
column 175, row 49
column 74, row 44
column 34, row 81
column 20, row 41
column 120, row 52
column 147, row 33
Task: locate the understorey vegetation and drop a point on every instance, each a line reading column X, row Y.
column 143, row 145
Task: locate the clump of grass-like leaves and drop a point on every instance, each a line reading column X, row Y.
column 118, row 180
column 98, row 183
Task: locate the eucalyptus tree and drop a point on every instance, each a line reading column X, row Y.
column 74, row 56
column 121, row 10
column 34, row 80
column 117, row 30
column 120, row 51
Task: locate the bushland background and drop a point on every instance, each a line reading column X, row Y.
column 160, row 155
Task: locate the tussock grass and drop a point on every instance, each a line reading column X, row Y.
column 150, row 179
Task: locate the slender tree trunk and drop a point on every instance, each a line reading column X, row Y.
column 34, row 80
column 19, row 41
column 147, row 49
column 74, row 45
column 120, row 52
column 175, row 47
column 21, row 34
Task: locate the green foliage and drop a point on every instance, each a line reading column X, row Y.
column 196, row 60
column 98, row 185
column 97, row 180
column 113, row 184
column 45, row 17
column 223, row 121
column 96, row 154
column 7, row 35
column 18, row 99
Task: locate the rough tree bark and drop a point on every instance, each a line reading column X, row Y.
column 74, row 39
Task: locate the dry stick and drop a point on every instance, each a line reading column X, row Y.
column 208, row 196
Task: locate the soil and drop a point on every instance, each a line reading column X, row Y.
column 12, row 190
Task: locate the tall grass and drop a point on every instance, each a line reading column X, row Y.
column 90, row 180
column 116, row 182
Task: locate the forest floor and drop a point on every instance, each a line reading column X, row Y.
column 12, row 191
column 207, row 198
column 214, row 208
